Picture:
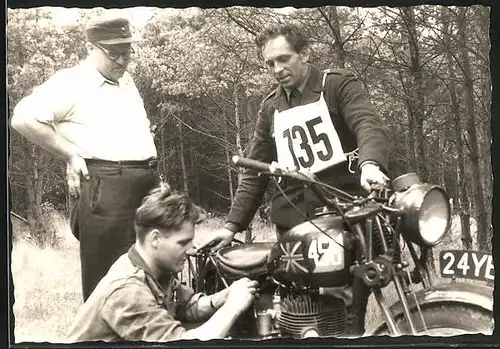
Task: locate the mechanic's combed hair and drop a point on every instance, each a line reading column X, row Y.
column 164, row 208
column 292, row 33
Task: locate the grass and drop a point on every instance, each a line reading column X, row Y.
column 47, row 284
column 47, row 287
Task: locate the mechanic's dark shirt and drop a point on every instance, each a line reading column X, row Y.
column 129, row 304
column 358, row 126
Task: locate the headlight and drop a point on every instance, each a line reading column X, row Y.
column 426, row 210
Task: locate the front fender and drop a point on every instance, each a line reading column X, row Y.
column 472, row 294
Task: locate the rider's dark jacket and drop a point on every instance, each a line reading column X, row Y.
column 358, row 126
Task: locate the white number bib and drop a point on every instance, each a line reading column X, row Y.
column 306, row 139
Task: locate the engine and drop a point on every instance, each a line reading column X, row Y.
column 300, row 315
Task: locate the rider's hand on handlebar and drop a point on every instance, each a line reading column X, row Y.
column 274, row 167
column 220, row 238
column 241, row 294
column 372, row 177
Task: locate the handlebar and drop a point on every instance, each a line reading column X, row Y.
column 268, row 169
column 251, row 164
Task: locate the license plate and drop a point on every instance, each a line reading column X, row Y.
column 466, row 264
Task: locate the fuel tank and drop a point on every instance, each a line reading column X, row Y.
column 307, row 256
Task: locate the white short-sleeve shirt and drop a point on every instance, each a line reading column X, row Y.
column 103, row 119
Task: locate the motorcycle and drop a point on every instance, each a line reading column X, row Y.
column 306, row 277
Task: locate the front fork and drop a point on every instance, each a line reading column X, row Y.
column 379, row 272
column 405, row 295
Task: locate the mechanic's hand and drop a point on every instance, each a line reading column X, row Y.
column 75, row 168
column 219, row 239
column 372, row 177
column 241, row 294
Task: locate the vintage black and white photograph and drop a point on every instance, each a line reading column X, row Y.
column 249, row 173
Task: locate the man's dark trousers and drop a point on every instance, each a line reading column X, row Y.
column 102, row 217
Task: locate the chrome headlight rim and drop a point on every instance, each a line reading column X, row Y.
column 411, row 202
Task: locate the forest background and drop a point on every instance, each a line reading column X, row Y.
column 426, row 69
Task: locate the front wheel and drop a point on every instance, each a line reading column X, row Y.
column 446, row 319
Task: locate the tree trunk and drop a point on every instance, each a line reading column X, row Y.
column 196, row 175
column 483, row 232
column 237, row 112
column 409, row 135
column 163, row 155
column 416, row 88
column 416, row 107
column 228, row 159
column 463, row 203
column 330, row 15
column 482, row 16
column 183, row 161
column 37, row 223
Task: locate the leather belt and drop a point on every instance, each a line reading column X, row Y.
column 151, row 163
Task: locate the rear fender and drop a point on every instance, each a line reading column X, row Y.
column 471, row 294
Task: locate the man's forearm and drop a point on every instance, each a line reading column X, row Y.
column 46, row 137
column 216, row 327
column 247, row 199
column 205, row 306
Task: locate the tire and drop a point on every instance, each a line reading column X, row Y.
column 446, row 319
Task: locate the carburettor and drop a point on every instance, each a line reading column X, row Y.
column 267, row 310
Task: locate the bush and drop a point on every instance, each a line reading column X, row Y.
column 51, row 231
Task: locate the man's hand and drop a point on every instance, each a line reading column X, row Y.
column 75, row 168
column 238, row 297
column 241, row 294
column 372, row 177
column 219, row 239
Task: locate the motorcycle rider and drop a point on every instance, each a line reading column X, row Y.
column 321, row 122
column 140, row 298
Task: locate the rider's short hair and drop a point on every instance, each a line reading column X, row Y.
column 295, row 36
column 165, row 209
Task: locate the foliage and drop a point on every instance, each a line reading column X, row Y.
column 202, row 82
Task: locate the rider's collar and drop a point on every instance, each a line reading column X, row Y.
column 302, row 85
column 312, row 87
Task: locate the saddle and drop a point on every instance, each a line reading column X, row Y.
column 246, row 260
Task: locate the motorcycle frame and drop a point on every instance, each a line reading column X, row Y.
column 205, row 263
column 400, row 275
column 200, row 268
column 364, row 233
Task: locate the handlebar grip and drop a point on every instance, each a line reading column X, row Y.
column 250, row 163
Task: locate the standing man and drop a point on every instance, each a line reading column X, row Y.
column 92, row 116
column 319, row 122
column 141, row 300
column 314, row 121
